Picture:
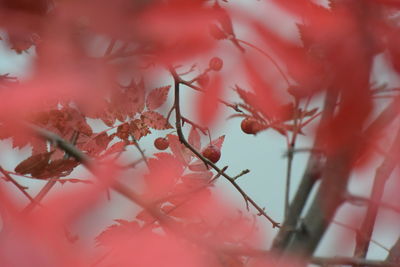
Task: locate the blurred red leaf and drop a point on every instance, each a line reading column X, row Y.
column 157, row 97
column 207, row 104
column 218, row 141
column 164, row 172
column 180, row 151
column 194, row 138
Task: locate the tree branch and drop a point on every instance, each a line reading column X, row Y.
column 248, row 199
column 310, row 176
column 50, row 183
column 235, row 107
column 348, row 261
column 381, row 176
column 20, row 187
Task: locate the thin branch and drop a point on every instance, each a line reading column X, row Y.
column 204, row 130
column 177, row 82
column 269, row 57
column 244, row 172
column 74, row 152
column 322, row 261
column 235, row 107
column 141, row 151
column 348, row 261
column 359, row 200
column 310, row 119
column 169, row 114
column 133, row 164
column 290, row 156
column 358, row 232
column 381, row 176
column 50, row 183
column 394, row 253
column 218, row 175
column 303, row 150
column 20, row 187
column 310, row 176
column 110, row 47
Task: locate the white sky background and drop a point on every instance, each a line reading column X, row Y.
column 262, row 154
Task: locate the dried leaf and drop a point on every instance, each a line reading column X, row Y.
column 58, row 168
column 155, row 120
column 138, row 129
column 123, row 131
column 157, row 97
column 35, row 164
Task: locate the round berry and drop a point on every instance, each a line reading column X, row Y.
column 212, row 153
column 161, row 143
column 250, row 126
column 216, row 64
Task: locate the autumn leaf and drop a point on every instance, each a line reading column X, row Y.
column 116, row 148
column 249, row 98
column 194, row 138
column 181, row 152
column 207, row 104
column 155, row 120
column 157, row 97
column 35, row 164
column 58, row 168
column 218, row 142
column 123, row 131
column 164, row 172
column 117, row 233
column 138, row 129
column 94, row 145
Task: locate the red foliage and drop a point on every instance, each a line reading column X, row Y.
column 96, row 87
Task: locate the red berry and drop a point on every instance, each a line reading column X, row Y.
column 161, row 143
column 212, row 153
column 215, row 64
column 250, row 126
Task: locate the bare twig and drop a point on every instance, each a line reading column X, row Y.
column 50, row 183
column 218, row 175
column 269, row 57
column 110, row 47
column 235, row 107
column 381, row 176
column 20, row 187
column 177, row 82
column 358, row 232
column 348, row 261
column 310, row 176
column 204, row 130
column 359, row 200
column 72, row 151
column 291, row 145
column 246, row 171
column 140, row 150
